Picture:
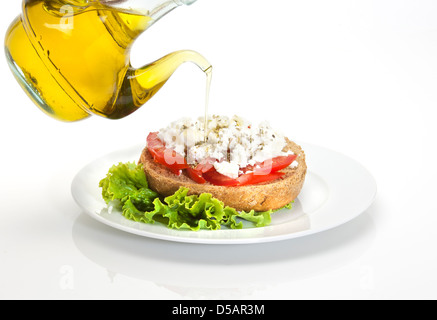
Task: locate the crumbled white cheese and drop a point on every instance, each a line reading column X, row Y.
column 230, row 169
column 234, row 141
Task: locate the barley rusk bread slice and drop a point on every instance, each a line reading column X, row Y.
column 260, row 197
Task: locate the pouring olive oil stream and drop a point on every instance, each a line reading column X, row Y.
column 72, row 57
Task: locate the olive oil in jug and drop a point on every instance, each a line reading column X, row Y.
column 72, row 57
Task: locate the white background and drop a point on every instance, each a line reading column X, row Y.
column 356, row 76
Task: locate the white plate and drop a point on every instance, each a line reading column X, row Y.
column 336, row 190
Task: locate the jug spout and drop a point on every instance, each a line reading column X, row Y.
column 140, row 85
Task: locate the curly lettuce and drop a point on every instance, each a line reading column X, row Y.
column 125, row 185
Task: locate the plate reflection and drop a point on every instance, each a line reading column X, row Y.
column 199, row 271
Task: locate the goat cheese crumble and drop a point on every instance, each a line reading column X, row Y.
column 234, row 142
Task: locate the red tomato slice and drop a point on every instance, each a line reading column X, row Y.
column 280, row 163
column 196, row 175
column 252, row 178
column 219, row 179
column 206, row 165
column 167, row 157
column 153, row 141
column 273, row 165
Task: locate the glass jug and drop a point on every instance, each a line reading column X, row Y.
column 72, row 56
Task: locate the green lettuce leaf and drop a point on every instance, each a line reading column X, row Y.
column 127, row 181
column 126, row 184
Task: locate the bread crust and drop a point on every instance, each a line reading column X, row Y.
column 260, row 197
